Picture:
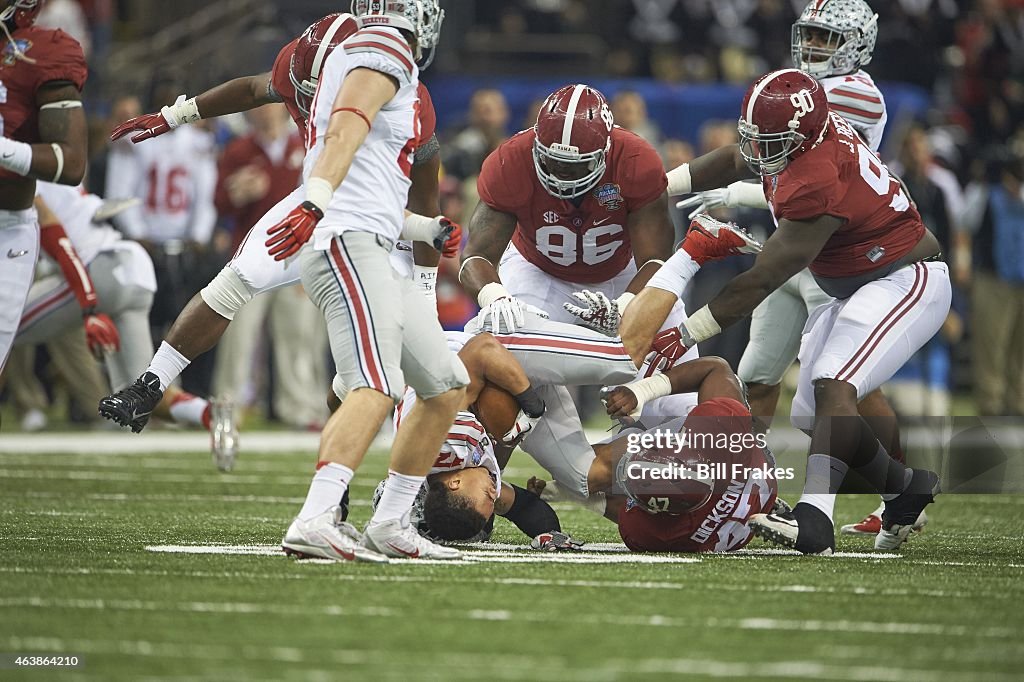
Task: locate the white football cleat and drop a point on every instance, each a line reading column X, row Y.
column 223, row 434
column 903, row 513
column 328, row 537
column 397, row 538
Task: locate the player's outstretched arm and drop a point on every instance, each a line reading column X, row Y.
column 710, row 377
column 490, row 231
column 240, row 94
column 60, row 156
column 715, row 169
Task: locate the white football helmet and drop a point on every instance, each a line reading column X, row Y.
column 850, row 28
column 422, row 18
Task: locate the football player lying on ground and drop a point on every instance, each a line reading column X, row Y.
column 464, row 490
column 841, row 213
column 692, row 510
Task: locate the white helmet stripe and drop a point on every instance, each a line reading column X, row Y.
column 761, row 86
column 321, row 51
column 570, row 115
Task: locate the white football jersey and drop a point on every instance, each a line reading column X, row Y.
column 467, row 444
column 373, row 195
column 174, row 176
column 75, row 209
column 856, row 98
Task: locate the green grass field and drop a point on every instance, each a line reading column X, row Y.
column 78, row 576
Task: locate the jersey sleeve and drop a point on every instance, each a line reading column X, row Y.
column 808, row 196
column 382, row 49
column 61, row 60
column 646, row 174
column 858, row 101
column 428, row 116
column 502, row 184
column 280, row 80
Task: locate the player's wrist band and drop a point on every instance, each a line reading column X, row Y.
column 490, row 293
column 466, row 262
column 624, row 300
column 15, row 156
column 181, row 112
column 651, row 388
column 679, row 181
column 319, row 193
column 700, row 326
column 418, row 228
column 747, row 194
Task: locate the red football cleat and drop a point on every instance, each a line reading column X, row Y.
column 710, row 240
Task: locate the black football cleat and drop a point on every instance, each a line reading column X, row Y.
column 902, row 513
column 132, row 406
column 806, row 529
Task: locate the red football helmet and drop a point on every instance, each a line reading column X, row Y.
column 311, row 52
column 573, row 138
column 23, row 12
column 663, row 481
column 785, row 113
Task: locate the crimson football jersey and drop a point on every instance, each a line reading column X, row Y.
column 720, row 524
column 588, row 243
column 841, row 177
column 58, row 57
column 281, row 82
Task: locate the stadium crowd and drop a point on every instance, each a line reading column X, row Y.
column 963, row 162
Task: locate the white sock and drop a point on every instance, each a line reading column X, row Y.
column 329, row 484
column 189, row 409
column 400, row 492
column 167, row 364
column 824, row 476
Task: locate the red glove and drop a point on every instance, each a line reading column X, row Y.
column 150, row 125
column 289, row 235
column 100, row 333
column 57, row 246
column 666, row 349
column 450, row 239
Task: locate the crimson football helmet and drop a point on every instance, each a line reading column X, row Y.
column 422, row 18
column 573, row 138
column 311, row 52
column 784, row 114
column 663, row 481
column 20, row 13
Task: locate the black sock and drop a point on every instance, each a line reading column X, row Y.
column 530, row 402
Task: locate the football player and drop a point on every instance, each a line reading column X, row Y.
column 833, row 41
column 705, row 511
column 252, row 271
column 43, row 138
column 361, row 133
column 843, row 215
column 113, row 282
column 464, row 490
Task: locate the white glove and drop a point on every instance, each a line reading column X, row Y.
column 556, row 541
column 505, row 315
column 738, row 194
column 522, row 426
column 598, row 312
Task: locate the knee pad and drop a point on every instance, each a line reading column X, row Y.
column 226, row 293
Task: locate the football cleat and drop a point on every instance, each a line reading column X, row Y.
column 710, row 240
column 806, row 529
column 224, row 434
column 133, row 405
column 326, row 536
column 397, row 538
column 556, row 541
column 904, row 512
column 872, row 523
